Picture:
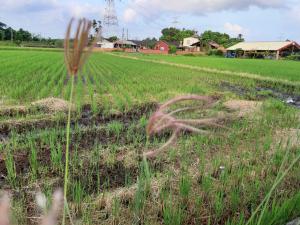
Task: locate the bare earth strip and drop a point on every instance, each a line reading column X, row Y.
column 215, row 71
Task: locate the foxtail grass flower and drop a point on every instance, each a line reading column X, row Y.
column 76, row 54
column 163, row 120
column 77, row 50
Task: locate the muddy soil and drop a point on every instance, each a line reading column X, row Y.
column 260, row 93
column 91, row 130
column 86, row 118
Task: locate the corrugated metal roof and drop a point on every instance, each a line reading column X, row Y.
column 103, row 41
column 261, row 46
column 124, row 42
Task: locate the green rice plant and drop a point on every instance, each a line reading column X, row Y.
column 278, row 70
column 173, row 214
column 77, row 192
column 219, row 204
column 115, row 128
column 143, row 122
column 116, row 210
column 56, row 155
column 280, row 176
column 143, row 190
column 185, row 186
column 10, row 168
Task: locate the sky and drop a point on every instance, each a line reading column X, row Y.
column 257, row 20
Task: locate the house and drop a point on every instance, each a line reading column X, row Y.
column 165, row 46
column 187, row 42
column 275, row 50
column 191, row 44
column 105, row 44
column 139, row 44
column 162, row 46
column 213, row 45
column 125, row 44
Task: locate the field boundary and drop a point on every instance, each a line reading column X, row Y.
column 216, row 71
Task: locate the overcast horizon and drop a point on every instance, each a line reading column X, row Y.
column 257, row 20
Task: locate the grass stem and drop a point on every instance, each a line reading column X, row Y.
column 66, row 178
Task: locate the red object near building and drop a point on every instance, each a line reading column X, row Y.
column 162, row 46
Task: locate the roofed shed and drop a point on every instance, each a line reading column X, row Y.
column 125, row 44
column 275, row 49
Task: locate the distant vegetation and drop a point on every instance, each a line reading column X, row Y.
column 176, row 35
column 21, row 37
column 220, row 38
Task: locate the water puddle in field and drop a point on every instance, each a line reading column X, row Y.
column 260, row 93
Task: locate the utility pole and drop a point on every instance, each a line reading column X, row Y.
column 11, row 35
column 2, row 36
column 175, row 21
column 110, row 20
column 100, row 30
column 127, row 35
column 123, row 34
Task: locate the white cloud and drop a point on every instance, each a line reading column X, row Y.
column 67, row 7
column 295, row 13
column 235, row 29
column 28, row 5
column 46, row 17
column 155, row 8
column 129, row 15
column 83, row 10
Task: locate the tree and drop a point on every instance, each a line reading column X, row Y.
column 112, row 39
column 10, row 34
column 2, row 26
column 97, row 25
column 149, row 42
column 220, row 38
column 173, row 34
column 2, row 31
column 23, row 35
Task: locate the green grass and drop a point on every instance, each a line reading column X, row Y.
column 283, row 69
column 216, row 179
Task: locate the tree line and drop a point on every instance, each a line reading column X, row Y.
column 24, row 37
column 171, row 35
column 175, row 36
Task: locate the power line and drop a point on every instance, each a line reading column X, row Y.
column 175, row 21
column 110, row 20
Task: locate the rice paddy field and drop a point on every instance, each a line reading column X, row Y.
column 283, row 70
column 247, row 158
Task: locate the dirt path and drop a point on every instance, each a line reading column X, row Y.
column 217, row 71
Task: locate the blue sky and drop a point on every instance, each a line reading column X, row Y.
column 257, row 20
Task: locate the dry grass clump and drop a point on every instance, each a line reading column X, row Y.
column 244, row 107
column 286, row 138
column 52, row 105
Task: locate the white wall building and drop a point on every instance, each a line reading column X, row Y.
column 188, row 42
column 105, row 44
